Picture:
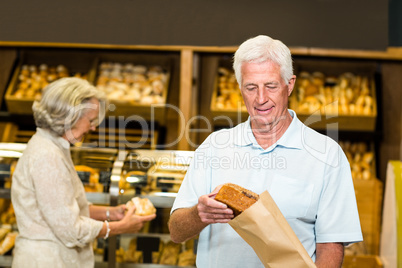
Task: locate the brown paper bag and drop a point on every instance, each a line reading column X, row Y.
column 266, row 230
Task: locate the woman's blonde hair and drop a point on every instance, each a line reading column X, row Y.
column 64, row 102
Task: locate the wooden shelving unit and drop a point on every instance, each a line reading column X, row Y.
column 195, row 71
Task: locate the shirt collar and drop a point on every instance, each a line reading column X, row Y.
column 290, row 139
column 245, row 136
column 58, row 140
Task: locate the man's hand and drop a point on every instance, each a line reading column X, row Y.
column 212, row 211
column 185, row 223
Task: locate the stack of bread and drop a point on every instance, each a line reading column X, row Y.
column 361, row 159
column 32, row 79
column 347, row 94
column 137, row 84
column 228, row 93
column 169, row 253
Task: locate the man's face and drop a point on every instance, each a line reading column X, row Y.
column 265, row 93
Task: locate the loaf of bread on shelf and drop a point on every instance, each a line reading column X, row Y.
column 170, row 253
column 186, row 258
column 132, row 83
column 120, row 255
column 143, row 206
column 236, row 197
column 32, row 79
column 346, row 94
column 132, row 255
column 4, row 230
column 157, row 254
column 8, row 242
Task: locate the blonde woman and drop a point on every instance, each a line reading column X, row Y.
column 55, row 221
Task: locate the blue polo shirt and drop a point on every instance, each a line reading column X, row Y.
column 306, row 173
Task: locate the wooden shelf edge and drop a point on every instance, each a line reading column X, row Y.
column 355, row 53
column 391, row 53
column 87, row 45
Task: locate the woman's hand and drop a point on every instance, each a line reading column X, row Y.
column 122, row 223
column 117, row 213
column 132, row 223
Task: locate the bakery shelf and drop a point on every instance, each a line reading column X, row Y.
column 156, row 174
column 6, row 261
column 372, row 261
column 138, row 265
column 125, row 77
column 98, row 198
column 162, row 236
column 94, row 167
column 9, row 149
column 336, row 95
column 144, row 265
column 126, row 243
column 76, row 63
column 5, row 193
column 321, row 121
column 317, row 54
column 369, row 198
column 158, row 199
column 227, row 106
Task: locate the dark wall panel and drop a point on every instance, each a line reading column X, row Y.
column 355, row 24
column 395, row 23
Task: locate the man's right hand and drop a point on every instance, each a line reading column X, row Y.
column 186, row 223
column 212, row 211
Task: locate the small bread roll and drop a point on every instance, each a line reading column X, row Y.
column 143, row 206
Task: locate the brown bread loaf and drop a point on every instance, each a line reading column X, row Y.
column 236, row 197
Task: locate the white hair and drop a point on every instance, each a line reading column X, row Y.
column 263, row 48
column 63, row 103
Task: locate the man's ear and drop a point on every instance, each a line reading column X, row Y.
column 291, row 84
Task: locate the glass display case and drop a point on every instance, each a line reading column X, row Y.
column 113, row 177
column 156, row 175
column 9, row 155
column 94, row 167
